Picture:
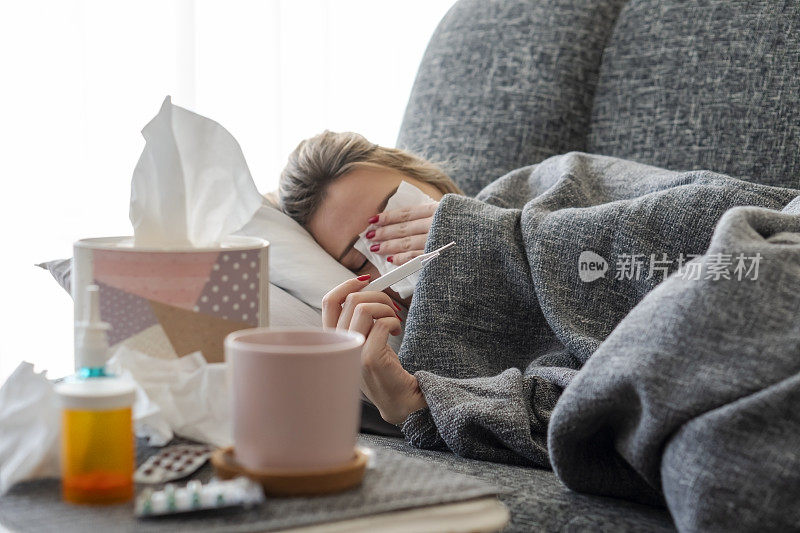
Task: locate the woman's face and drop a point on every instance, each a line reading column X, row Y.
column 350, row 201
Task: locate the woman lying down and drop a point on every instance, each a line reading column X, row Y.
column 634, row 328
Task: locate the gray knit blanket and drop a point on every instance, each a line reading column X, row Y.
column 634, row 328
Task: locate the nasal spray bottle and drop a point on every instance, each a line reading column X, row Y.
column 91, row 336
column 97, row 445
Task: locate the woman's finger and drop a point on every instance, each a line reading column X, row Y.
column 406, row 244
column 333, row 300
column 354, row 299
column 401, row 229
column 406, row 214
column 377, row 339
column 405, row 257
column 365, row 315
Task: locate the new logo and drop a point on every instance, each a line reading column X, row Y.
column 591, row 266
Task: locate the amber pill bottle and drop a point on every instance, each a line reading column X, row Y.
column 97, row 443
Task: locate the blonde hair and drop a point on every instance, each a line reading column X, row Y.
column 318, row 161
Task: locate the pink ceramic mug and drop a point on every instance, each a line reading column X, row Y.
column 295, row 396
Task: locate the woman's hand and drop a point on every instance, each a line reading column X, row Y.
column 401, row 233
column 384, row 381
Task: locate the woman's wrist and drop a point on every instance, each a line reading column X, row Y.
column 396, row 409
column 414, row 402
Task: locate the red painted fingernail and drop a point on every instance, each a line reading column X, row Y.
column 365, row 277
column 374, row 247
column 370, row 234
column 373, row 219
column 390, row 259
column 397, row 306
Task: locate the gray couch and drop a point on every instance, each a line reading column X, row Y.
column 681, row 85
column 711, row 84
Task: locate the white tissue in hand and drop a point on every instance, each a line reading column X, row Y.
column 29, row 427
column 191, row 186
column 406, row 196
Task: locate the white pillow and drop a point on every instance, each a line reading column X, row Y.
column 297, row 264
column 287, row 311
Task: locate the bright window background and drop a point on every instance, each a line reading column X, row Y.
column 81, row 78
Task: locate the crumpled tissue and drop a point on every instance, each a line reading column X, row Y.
column 185, row 397
column 191, row 186
column 406, row 196
column 29, row 427
column 190, row 397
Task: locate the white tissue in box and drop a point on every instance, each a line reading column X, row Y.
column 191, row 185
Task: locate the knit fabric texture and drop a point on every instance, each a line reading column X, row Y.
column 510, row 340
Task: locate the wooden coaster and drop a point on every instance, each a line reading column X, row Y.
column 293, row 483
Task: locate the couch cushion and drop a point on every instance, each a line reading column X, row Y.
column 507, row 83
column 711, row 84
column 539, row 502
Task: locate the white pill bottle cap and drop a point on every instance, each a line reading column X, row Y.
column 96, row 394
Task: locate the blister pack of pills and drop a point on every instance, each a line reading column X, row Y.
column 196, row 496
column 172, row 462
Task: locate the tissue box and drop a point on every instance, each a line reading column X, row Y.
column 171, row 302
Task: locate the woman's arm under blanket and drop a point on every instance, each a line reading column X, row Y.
column 501, row 418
